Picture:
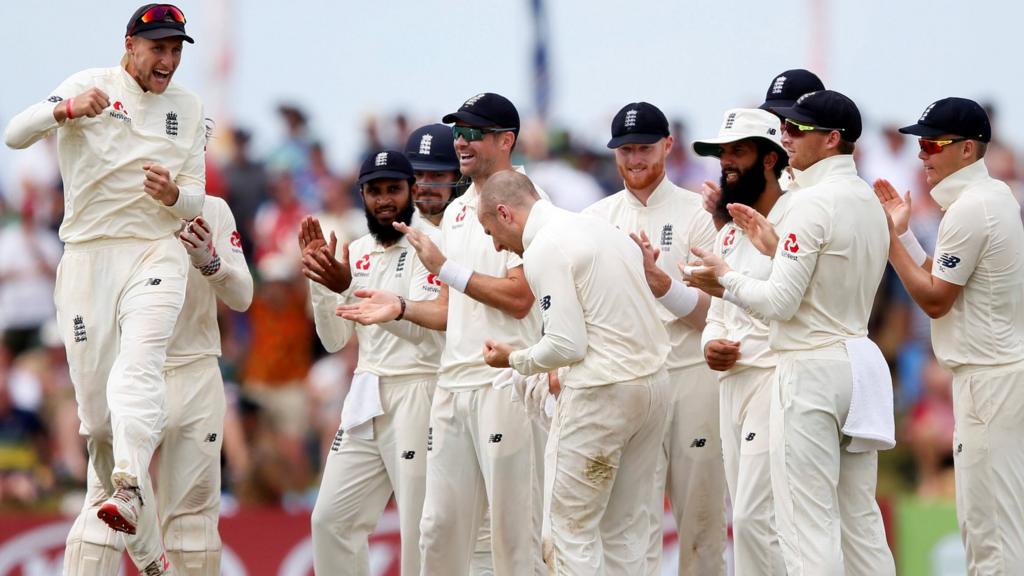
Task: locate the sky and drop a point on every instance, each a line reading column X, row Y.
column 345, row 60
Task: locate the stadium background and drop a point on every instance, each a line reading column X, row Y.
column 315, row 84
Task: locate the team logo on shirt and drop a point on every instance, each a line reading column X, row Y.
column 666, row 236
column 400, row 267
column 119, row 112
column 236, row 241
column 171, row 124
column 948, row 260
column 461, row 215
column 78, row 327
column 730, row 238
column 363, row 266
column 433, row 284
column 790, row 247
column 54, row 99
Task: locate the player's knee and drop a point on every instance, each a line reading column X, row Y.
column 92, row 548
column 341, row 521
column 192, row 533
column 195, row 563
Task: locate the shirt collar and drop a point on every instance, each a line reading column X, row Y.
column 540, row 214
column 403, row 242
column 660, row 194
column 129, row 83
column 839, row 165
column 952, row 186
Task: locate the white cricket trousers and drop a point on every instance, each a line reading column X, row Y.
column 360, row 476
column 745, row 397
column 599, row 473
column 691, row 472
column 188, row 482
column 117, row 302
column 988, row 456
column 483, row 449
column 828, row 520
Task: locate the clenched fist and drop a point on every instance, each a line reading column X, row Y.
column 88, row 104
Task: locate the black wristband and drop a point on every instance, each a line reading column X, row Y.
column 401, row 313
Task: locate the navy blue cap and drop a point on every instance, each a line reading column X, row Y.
column 638, row 123
column 166, row 27
column 790, row 85
column 959, row 116
column 826, row 109
column 486, row 110
column 432, row 147
column 385, row 164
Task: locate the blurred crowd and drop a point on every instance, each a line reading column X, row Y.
column 273, row 455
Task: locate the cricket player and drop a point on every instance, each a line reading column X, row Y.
column 782, row 92
column 131, row 157
column 818, row 297
column 735, row 342
column 973, row 292
column 188, row 466
column 381, row 446
column 431, row 150
column 485, row 449
column 601, row 321
column 691, row 470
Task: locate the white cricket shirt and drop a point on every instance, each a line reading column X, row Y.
column 980, row 245
column 599, row 316
column 675, row 221
column 101, row 158
column 833, row 247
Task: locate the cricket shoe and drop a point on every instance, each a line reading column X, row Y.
column 121, row 511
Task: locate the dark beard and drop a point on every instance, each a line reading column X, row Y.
column 386, row 234
column 746, row 190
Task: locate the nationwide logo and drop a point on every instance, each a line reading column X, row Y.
column 120, row 107
column 730, row 238
column 790, row 247
column 461, row 215
column 236, row 240
column 363, row 263
column 119, row 112
column 433, row 279
column 948, row 260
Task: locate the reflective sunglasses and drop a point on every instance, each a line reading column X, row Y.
column 795, row 129
column 929, row 146
column 471, row 134
column 159, row 13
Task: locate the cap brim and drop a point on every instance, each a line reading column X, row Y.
column 160, row 33
column 433, row 166
column 381, row 175
column 470, row 119
column 713, row 147
column 922, row 130
column 635, row 139
column 792, row 113
column 777, row 103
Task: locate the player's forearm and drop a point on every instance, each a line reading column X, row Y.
column 189, row 203
column 918, row 281
column 31, row 124
column 233, row 286
column 697, row 319
column 431, row 314
column 510, row 295
column 334, row 332
column 774, row 301
column 408, row 331
column 550, row 353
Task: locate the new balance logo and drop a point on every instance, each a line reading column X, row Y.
column 960, row 448
column 78, row 326
column 729, row 120
column 425, row 144
column 947, row 260
column 545, row 303
column 750, row 437
column 666, row 235
column 778, row 84
column 211, row 437
column 630, row 119
column 408, row 454
column 494, row 438
column 152, row 282
column 698, row 442
column 381, row 159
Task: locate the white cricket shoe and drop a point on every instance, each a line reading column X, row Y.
column 121, row 511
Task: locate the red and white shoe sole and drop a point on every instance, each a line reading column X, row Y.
column 111, row 515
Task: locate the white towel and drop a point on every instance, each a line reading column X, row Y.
column 531, row 390
column 362, row 405
column 870, row 423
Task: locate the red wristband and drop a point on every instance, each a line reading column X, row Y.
column 67, row 108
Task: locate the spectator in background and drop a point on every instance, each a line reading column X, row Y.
column 280, row 355
column 278, row 218
column 893, row 156
column 928, row 430
column 680, row 167
column 247, row 186
column 568, row 187
column 293, row 154
column 29, row 254
column 24, row 449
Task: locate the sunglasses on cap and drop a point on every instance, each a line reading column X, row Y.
column 470, row 134
column 795, row 129
column 159, row 13
column 929, row 146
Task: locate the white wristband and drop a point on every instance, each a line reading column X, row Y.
column 917, row 253
column 680, row 300
column 455, row 275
